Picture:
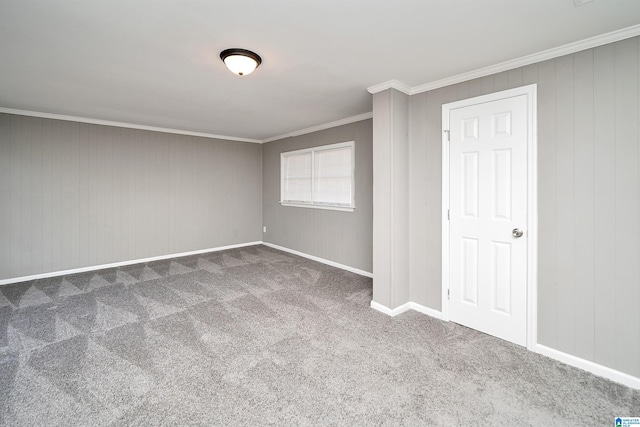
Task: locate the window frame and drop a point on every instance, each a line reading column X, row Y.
column 313, row 151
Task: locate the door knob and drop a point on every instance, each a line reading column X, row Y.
column 517, row 233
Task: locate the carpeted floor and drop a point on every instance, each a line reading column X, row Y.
column 255, row 336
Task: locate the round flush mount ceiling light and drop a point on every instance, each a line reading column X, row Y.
column 240, row 61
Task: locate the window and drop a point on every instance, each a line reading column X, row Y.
column 319, row 177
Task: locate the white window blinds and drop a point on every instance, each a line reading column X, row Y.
column 333, row 177
column 319, row 177
column 297, row 178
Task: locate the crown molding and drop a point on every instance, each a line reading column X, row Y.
column 566, row 49
column 324, row 126
column 391, row 84
column 123, row 125
column 329, row 125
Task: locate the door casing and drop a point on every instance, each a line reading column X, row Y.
column 530, row 91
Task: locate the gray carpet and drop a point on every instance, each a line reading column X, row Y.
column 255, row 336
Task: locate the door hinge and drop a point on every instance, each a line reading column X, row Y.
column 448, row 293
column 448, row 215
column 448, row 135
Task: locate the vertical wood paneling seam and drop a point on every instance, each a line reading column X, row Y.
column 391, row 197
column 90, row 196
column 136, row 196
column 615, row 194
column 113, row 231
column 77, row 173
column 409, row 194
column 168, row 194
column 638, row 142
column 41, row 166
column 69, row 175
column 555, row 204
column 33, row 166
column 565, row 203
column 572, row 150
column 27, row 164
column 16, row 241
column 593, row 207
column 15, row 236
column 584, row 275
column 573, row 189
column 604, row 246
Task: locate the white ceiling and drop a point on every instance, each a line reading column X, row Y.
column 156, row 63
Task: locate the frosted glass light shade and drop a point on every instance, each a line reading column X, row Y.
column 240, row 61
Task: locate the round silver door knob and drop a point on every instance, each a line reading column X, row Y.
column 517, row 233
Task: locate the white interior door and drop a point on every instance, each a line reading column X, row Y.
column 488, row 217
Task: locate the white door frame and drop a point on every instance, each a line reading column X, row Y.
column 532, row 201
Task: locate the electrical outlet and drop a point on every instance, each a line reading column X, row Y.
column 264, row 228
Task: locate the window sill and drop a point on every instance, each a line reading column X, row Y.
column 325, row 207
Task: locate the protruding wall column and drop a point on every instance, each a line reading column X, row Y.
column 390, row 198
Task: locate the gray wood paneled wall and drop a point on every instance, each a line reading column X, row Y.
column 588, row 199
column 342, row 237
column 391, row 198
column 76, row 195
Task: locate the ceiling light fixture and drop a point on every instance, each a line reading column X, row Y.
column 240, row 61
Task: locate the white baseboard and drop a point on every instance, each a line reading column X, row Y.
column 176, row 255
column 594, row 368
column 406, row 307
column 120, row 264
column 391, row 312
column 318, row 259
column 586, row 365
column 577, row 362
column 426, row 310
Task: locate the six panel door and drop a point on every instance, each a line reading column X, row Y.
column 488, row 212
